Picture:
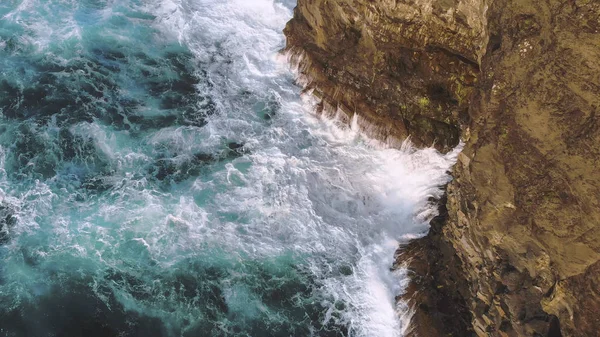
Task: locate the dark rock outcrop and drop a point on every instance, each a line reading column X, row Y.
column 519, row 81
column 8, row 220
column 437, row 286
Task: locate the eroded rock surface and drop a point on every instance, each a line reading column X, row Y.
column 519, row 80
column 525, row 203
column 406, row 68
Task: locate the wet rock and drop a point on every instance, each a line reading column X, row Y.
column 179, row 168
column 235, row 150
column 73, row 309
column 96, row 184
column 437, row 291
column 8, row 221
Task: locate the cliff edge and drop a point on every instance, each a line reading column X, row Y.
column 406, row 68
column 518, row 251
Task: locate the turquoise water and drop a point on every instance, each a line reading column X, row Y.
column 160, row 175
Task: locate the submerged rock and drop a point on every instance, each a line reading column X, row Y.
column 179, row 168
column 519, row 254
column 91, row 88
column 7, row 223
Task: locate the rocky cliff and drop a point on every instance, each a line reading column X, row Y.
column 406, row 67
column 518, row 251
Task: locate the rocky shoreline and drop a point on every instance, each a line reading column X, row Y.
column 437, row 288
column 518, row 251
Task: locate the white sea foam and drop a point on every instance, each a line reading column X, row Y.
column 324, row 190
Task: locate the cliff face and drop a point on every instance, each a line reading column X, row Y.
column 519, row 80
column 406, row 68
column 525, row 203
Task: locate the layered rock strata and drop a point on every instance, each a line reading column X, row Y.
column 406, row 69
column 519, row 81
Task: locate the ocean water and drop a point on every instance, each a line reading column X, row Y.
column 161, row 175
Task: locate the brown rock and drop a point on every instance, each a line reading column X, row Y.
column 520, row 81
column 405, row 68
column 436, row 292
column 533, row 172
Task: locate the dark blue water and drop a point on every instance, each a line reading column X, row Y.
column 160, row 176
